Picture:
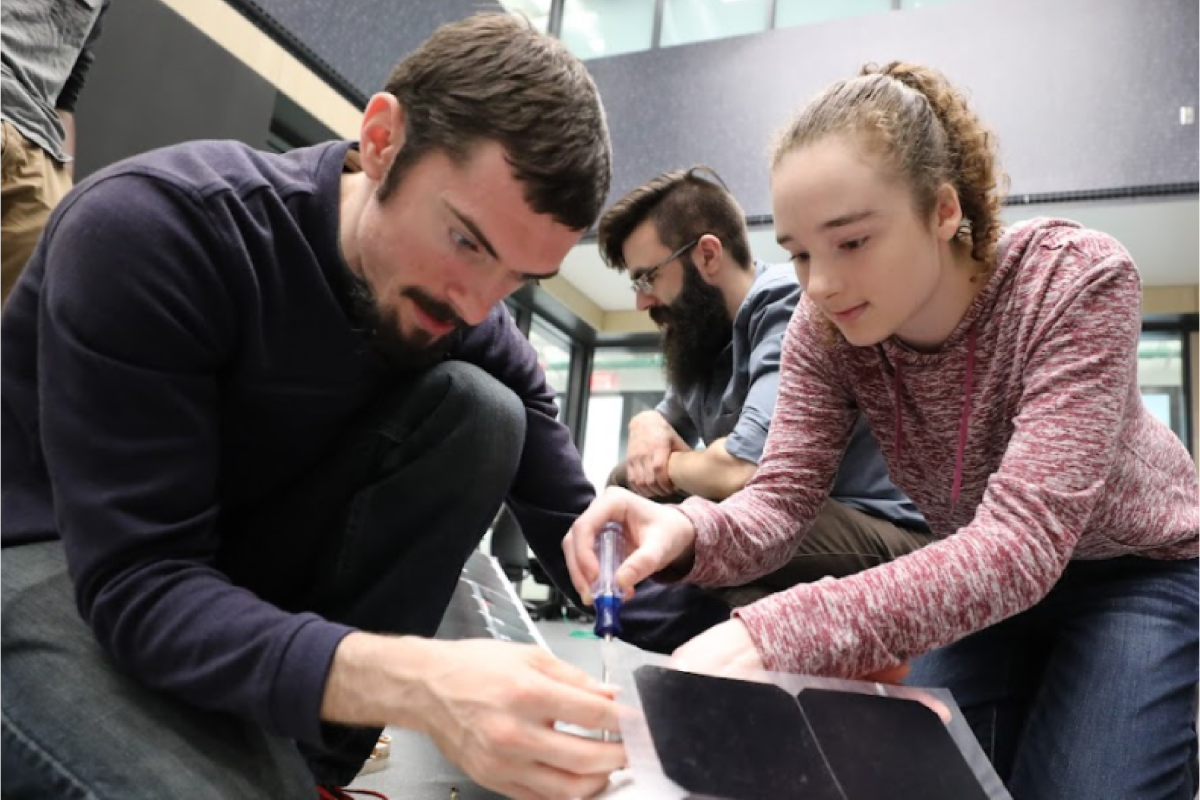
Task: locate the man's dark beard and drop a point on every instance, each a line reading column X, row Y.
column 695, row 328
column 416, row 351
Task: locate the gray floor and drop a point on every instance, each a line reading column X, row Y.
column 416, row 769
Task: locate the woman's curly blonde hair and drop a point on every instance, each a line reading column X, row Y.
column 924, row 127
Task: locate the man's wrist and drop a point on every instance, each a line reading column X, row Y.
column 377, row 680
column 672, row 467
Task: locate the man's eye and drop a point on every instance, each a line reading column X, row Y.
column 799, row 258
column 855, row 244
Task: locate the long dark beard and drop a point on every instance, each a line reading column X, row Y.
column 381, row 327
column 695, row 329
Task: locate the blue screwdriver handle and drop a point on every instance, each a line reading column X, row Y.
column 610, row 552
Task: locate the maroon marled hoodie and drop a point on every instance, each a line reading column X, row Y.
column 1051, row 454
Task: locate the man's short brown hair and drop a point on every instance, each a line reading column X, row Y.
column 493, row 77
column 683, row 205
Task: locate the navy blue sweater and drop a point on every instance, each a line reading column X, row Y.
column 178, row 349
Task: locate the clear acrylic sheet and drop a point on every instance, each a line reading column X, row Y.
column 646, row 776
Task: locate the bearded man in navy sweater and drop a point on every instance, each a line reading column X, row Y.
column 258, row 410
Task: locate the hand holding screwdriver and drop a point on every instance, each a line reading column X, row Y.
column 655, row 537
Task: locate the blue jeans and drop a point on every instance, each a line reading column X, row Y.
column 1092, row 692
column 388, row 525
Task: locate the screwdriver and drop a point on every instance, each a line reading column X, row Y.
column 607, row 596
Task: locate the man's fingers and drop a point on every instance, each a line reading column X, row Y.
column 649, row 488
column 542, row 781
column 662, row 473
column 559, row 670
column 577, row 754
column 590, row 711
column 554, row 701
column 639, row 476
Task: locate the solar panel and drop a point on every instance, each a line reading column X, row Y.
column 727, row 739
column 486, row 605
column 732, row 739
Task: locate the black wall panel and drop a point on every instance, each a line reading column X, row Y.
column 1084, row 95
column 157, row 80
column 358, row 41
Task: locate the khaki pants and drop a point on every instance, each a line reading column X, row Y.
column 33, row 183
column 841, row 541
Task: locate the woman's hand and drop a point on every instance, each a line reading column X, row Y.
column 656, row 537
column 728, row 649
column 724, row 649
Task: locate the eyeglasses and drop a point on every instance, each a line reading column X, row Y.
column 644, row 283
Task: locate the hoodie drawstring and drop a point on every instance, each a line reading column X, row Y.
column 964, row 418
column 897, row 382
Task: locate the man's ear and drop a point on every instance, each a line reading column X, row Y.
column 382, row 135
column 707, row 256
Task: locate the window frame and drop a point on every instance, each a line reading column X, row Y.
column 554, row 26
column 531, row 302
column 1181, row 325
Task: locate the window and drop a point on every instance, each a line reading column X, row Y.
column 624, row 383
column 1162, row 379
column 699, row 20
column 598, row 28
column 536, row 11
column 595, row 28
column 922, row 3
column 554, row 357
column 789, row 13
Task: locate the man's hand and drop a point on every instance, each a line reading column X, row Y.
column 652, row 440
column 67, row 119
column 490, row 706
